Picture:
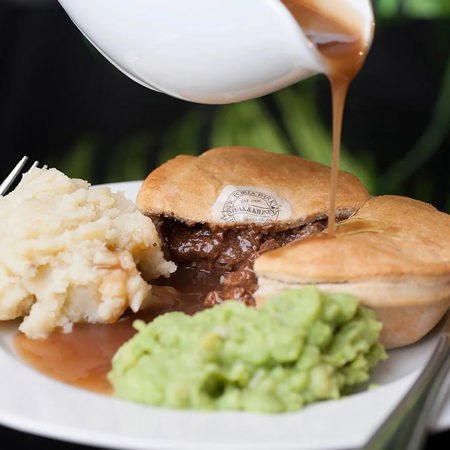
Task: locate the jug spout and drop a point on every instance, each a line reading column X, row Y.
column 204, row 51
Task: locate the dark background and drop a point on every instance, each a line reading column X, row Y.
column 62, row 103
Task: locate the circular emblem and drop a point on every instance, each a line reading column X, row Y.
column 247, row 205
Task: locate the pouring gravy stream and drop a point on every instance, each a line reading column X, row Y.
column 83, row 357
column 340, row 41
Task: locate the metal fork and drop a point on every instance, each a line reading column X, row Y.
column 6, row 183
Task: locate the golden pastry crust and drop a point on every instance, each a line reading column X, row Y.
column 389, row 236
column 188, row 187
column 394, row 254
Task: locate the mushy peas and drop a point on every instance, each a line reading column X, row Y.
column 299, row 347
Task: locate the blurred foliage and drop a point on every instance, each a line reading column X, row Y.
column 429, row 9
column 78, row 162
column 280, row 125
column 427, row 145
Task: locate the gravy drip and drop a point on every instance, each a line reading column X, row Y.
column 341, row 44
column 83, row 357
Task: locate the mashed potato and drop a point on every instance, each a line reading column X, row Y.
column 73, row 253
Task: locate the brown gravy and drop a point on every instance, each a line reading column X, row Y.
column 83, row 357
column 340, row 42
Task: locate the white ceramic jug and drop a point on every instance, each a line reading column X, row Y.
column 205, row 51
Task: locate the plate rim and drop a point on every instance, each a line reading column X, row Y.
column 102, row 438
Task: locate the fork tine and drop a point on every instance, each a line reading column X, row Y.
column 12, row 175
column 35, row 164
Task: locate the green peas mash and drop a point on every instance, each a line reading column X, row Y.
column 302, row 346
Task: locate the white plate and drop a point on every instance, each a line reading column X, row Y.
column 32, row 402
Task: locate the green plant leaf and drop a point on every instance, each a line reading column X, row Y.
column 249, row 124
column 78, row 162
column 184, row 137
column 309, row 136
column 428, row 144
column 386, row 8
column 424, row 9
column 128, row 160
